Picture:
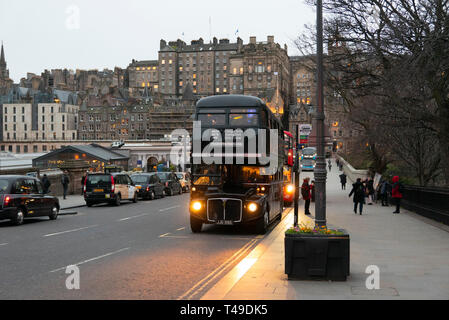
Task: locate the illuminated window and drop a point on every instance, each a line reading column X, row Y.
column 225, row 90
column 138, row 69
column 156, row 86
column 217, row 90
column 234, row 71
column 148, row 68
column 194, row 76
column 241, row 70
column 180, row 83
column 180, row 69
column 163, row 61
column 143, row 84
column 170, row 61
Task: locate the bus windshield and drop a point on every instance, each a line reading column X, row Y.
column 309, row 151
column 228, row 175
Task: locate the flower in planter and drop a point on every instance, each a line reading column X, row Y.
column 307, row 229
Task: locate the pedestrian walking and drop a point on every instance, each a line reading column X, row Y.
column 65, row 183
column 358, row 190
column 329, row 163
column 343, row 181
column 46, row 183
column 306, row 195
column 384, row 193
column 397, row 193
column 83, row 181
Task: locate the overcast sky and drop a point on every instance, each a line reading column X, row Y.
column 46, row 34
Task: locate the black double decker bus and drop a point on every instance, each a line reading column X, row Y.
column 239, row 186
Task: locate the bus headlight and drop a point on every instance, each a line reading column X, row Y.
column 196, row 206
column 193, row 189
column 290, row 188
column 252, row 207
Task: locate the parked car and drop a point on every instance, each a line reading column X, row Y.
column 109, row 188
column 170, row 182
column 23, row 197
column 184, row 179
column 149, row 185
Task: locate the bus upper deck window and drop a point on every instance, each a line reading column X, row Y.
column 212, row 119
column 243, row 119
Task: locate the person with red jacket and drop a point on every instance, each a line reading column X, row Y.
column 306, row 195
column 396, row 193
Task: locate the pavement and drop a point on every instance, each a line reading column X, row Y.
column 72, row 202
column 411, row 252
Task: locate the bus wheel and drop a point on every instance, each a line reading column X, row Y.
column 262, row 224
column 195, row 224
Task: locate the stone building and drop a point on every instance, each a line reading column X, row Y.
column 262, row 69
column 205, row 66
column 132, row 123
column 144, row 74
column 25, row 122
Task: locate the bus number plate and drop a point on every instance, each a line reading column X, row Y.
column 225, row 223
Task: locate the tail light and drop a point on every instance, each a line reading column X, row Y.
column 6, row 201
column 166, row 184
column 112, row 184
column 148, row 188
column 85, row 185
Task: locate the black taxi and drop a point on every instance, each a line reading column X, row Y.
column 23, row 197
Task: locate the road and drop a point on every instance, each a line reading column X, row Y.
column 135, row 251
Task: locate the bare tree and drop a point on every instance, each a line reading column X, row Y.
column 389, row 61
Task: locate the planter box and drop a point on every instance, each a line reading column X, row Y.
column 317, row 257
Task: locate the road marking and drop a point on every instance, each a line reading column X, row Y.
column 69, row 231
column 180, row 229
column 3, row 244
column 168, row 209
column 134, row 217
column 217, row 272
column 93, row 259
column 164, row 235
column 175, row 237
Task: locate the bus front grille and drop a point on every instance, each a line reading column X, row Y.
column 224, row 210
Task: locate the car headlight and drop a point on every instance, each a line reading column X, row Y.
column 193, row 189
column 252, row 207
column 290, row 188
column 197, row 206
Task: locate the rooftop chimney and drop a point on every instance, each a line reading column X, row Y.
column 270, row 39
column 252, row 40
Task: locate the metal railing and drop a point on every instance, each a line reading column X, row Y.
column 430, row 202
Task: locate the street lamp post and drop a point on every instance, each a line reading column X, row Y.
column 320, row 169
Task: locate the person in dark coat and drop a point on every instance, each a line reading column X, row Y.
column 384, row 186
column 359, row 191
column 46, row 183
column 396, row 194
column 329, row 164
column 343, row 181
column 65, row 183
column 306, row 195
